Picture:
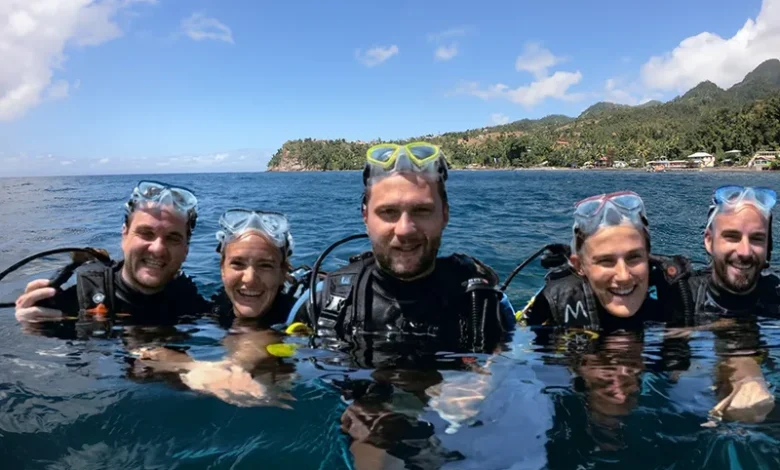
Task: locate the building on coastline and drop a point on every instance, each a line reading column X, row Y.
column 733, row 155
column 763, row 159
column 663, row 164
column 701, row 160
column 619, row 164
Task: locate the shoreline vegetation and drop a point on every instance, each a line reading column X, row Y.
column 730, row 125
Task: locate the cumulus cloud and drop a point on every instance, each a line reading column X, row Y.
column 555, row 86
column 446, row 52
column 376, row 55
column 536, row 60
column 724, row 61
column 33, row 39
column 198, row 27
column 447, row 48
column 498, row 119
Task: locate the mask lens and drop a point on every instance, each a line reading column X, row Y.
column 588, row 207
column 150, row 190
column 183, row 198
column 729, row 194
column 233, row 219
column 766, row 197
column 274, row 223
column 627, row 201
column 423, row 152
column 382, row 153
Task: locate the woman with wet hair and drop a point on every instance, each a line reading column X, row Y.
column 611, row 281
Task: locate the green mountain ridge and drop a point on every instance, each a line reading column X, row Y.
column 706, row 118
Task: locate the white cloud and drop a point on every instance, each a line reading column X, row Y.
column 66, row 162
column 198, row 27
column 555, row 86
column 614, row 92
column 446, row 52
column 221, row 156
column 33, row 38
column 708, row 56
column 497, row 119
column 536, row 60
column 376, row 55
column 104, row 160
column 58, row 90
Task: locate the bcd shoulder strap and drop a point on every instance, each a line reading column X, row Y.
column 340, row 293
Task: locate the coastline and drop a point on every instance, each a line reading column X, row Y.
column 739, row 169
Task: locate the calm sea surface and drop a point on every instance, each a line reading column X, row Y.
column 71, row 404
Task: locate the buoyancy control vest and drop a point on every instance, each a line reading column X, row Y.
column 572, row 302
column 99, row 295
column 466, row 298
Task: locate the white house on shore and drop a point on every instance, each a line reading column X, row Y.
column 763, row 159
column 701, row 160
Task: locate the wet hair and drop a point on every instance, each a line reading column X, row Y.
column 222, row 249
column 441, row 189
column 579, row 238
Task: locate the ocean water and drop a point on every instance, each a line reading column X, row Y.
column 67, row 403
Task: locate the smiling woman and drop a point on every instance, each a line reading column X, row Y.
column 610, row 282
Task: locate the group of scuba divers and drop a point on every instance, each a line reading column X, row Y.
column 606, row 280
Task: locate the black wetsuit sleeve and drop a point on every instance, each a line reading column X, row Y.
column 538, row 312
column 188, row 300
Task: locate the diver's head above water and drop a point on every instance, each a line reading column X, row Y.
column 155, row 236
column 255, row 248
column 738, row 236
column 405, row 207
column 611, row 249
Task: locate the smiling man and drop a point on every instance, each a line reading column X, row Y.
column 148, row 285
column 738, row 239
column 402, row 287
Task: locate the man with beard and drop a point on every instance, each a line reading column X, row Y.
column 738, row 238
column 732, row 292
column 148, row 285
column 401, row 288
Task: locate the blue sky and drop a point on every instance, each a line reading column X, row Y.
column 170, row 85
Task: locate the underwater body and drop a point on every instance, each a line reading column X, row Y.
column 70, row 403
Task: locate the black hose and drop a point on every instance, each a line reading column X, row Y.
column 63, row 275
column 521, row 266
column 686, row 298
column 313, row 307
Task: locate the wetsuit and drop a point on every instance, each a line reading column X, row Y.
column 710, row 298
column 98, row 285
column 567, row 300
column 362, row 299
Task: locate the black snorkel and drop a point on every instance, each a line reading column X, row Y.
column 79, row 257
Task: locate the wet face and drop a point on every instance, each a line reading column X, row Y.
column 154, row 245
column 615, row 262
column 405, row 217
column 738, row 244
column 252, row 272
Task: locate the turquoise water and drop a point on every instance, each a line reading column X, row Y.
column 76, row 404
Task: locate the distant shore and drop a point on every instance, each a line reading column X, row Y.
column 737, row 169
